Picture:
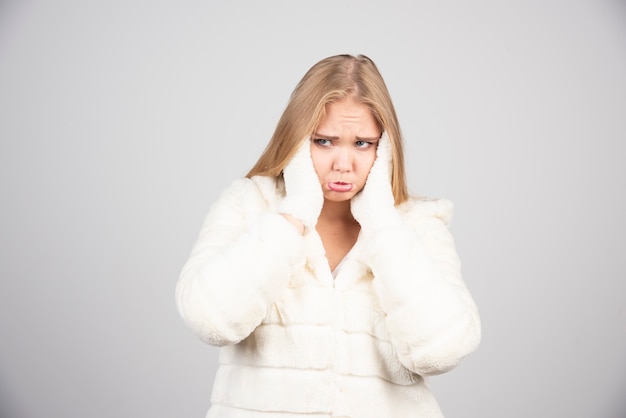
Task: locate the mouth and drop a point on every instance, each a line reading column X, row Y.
column 340, row 186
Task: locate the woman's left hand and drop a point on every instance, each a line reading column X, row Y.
column 430, row 316
column 373, row 207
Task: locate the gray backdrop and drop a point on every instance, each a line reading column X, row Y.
column 121, row 121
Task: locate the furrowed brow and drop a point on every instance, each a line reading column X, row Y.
column 319, row 135
column 358, row 138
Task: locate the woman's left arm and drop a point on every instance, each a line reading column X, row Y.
column 431, row 317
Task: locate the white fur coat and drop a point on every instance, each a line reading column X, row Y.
column 297, row 342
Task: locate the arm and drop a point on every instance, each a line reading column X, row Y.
column 239, row 264
column 246, row 253
column 430, row 315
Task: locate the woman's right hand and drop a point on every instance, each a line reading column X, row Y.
column 303, row 193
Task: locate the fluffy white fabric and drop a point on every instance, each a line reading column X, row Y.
column 298, row 342
column 303, row 195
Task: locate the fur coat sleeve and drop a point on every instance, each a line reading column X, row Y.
column 223, row 292
column 247, row 254
column 431, row 317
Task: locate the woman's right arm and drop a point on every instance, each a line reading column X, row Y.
column 240, row 263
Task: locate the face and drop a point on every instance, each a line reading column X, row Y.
column 343, row 148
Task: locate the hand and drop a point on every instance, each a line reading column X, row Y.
column 303, row 193
column 373, row 207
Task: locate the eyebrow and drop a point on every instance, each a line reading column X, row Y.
column 358, row 138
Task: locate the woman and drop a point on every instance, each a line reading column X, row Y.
column 329, row 289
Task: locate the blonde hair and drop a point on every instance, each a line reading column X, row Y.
column 328, row 81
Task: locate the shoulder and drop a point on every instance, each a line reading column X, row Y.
column 258, row 191
column 417, row 208
column 269, row 187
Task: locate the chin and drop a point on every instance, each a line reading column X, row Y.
column 338, row 197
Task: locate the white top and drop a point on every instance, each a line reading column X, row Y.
column 300, row 341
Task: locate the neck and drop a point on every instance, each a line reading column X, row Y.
column 336, row 212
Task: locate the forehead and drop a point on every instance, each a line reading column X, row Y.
column 349, row 114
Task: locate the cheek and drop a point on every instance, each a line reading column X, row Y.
column 367, row 162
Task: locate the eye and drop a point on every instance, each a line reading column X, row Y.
column 363, row 144
column 323, row 142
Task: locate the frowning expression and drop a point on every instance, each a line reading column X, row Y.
column 343, row 148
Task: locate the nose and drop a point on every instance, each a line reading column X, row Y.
column 342, row 160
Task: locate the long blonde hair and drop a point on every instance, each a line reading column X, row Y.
column 328, row 81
